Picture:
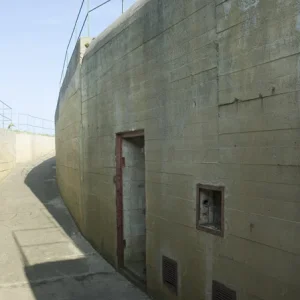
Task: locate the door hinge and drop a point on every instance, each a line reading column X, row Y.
column 124, row 243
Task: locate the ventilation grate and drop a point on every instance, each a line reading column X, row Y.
column 170, row 273
column 221, row 292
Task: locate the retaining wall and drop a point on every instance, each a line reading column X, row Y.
column 21, row 148
column 7, row 152
column 214, row 85
column 30, row 147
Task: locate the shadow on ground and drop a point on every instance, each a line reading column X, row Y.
column 42, row 182
column 67, row 267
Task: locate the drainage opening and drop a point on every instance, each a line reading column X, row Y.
column 222, row 292
column 170, row 273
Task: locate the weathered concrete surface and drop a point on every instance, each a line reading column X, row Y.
column 68, row 142
column 215, row 86
column 43, row 256
column 7, row 152
column 30, row 147
column 21, row 148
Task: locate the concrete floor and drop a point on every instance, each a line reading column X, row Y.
column 43, row 256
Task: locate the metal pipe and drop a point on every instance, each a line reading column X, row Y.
column 88, row 18
column 5, row 117
column 5, row 104
column 40, row 118
column 99, row 5
column 89, row 13
column 79, row 12
column 33, row 126
column 122, row 6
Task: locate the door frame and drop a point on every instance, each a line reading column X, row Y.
column 120, row 163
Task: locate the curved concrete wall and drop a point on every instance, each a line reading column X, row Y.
column 68, row 137
column 214, row 85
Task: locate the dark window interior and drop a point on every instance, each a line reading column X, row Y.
column 210, row 211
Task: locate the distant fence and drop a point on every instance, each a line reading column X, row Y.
column 24, row 122
column 5, row 115
column 35, row 125
column 84, row 20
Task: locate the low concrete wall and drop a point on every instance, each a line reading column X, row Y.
column 30, row 147
column 22, row 148
column 7, row 152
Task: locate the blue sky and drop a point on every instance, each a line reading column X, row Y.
column 34, row 36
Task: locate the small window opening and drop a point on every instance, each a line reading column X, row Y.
column 210, row 209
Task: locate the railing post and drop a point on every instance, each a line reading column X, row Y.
column 88, row 17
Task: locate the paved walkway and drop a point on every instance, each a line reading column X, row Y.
column 42, row 254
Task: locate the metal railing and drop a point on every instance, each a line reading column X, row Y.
column 24, row 122
column 35, row 125
column 5, row 115
column 75, row 36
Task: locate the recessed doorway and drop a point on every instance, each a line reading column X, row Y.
column 131, row 203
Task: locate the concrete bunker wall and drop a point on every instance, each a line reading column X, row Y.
column 214, row 85
column 68, row 136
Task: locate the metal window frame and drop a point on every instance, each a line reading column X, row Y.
column 219, row 232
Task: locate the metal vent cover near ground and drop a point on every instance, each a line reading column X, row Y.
column 221, row 292
column 170, row 273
